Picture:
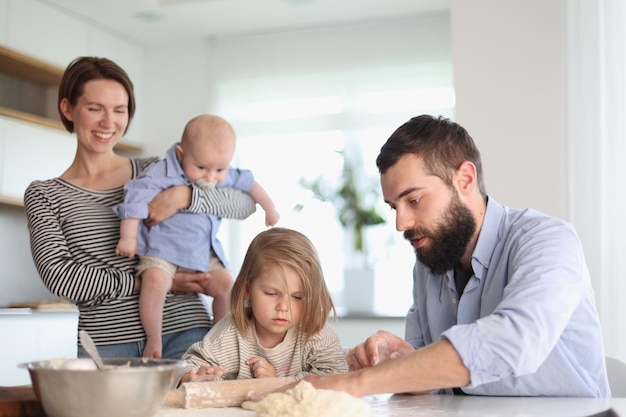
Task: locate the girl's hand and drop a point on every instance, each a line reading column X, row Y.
column 261, row 368
column 207, row 373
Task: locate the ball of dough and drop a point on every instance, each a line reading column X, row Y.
column 304, row 400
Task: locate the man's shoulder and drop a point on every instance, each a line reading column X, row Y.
column 529, row 219
column 525, row 219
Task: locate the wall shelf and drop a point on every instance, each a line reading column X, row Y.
column 7, row 200
column 25, row 67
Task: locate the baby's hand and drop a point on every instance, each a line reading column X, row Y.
column 271, row 218
column 261, row 368
column 126, row 247
column 207, row 373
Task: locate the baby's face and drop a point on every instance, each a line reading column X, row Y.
column 206, row 162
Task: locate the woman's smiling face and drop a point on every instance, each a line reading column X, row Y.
column 100, row 115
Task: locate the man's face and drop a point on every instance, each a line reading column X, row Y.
column 450, row 236
column 431, row 215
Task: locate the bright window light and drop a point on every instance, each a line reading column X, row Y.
column 270, row 110
column 407, row 100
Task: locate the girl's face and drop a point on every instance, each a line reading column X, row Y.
column 276, row 299
column 100, row 115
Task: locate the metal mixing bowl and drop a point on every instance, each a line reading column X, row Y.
column 73, row 388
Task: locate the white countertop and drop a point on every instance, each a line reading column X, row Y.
column 455, row 406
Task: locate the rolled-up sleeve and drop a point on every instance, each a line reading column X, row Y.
column 546, row 271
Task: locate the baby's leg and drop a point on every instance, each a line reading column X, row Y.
column 218, row 287
column 155, row 283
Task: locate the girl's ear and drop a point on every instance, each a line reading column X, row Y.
column 246, row 298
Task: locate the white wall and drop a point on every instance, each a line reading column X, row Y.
column 528, row 78
column 510, row 79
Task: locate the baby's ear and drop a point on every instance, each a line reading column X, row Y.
column 179, row 152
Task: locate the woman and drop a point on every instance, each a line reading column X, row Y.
column 74, row 230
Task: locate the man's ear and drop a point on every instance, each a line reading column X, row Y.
column 465, row 177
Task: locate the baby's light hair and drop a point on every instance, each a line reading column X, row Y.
column 284, row 248
column 207, row 127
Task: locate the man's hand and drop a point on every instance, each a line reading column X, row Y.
column 168, row 202
column 377, row 348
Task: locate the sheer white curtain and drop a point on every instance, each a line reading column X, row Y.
column 597, row 138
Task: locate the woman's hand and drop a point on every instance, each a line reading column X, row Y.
column 378, row 348
column 191, row 281
column 261, row 368
column 168, row 202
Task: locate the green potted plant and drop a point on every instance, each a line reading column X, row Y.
column 355, row 204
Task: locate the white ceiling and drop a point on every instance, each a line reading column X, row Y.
column 154, row 22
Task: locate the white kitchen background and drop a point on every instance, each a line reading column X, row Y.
column 537, row 83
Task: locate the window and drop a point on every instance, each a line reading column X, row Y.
column 293, row 129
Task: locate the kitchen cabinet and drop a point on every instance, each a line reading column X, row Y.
column 31, row 335
column 31, row 152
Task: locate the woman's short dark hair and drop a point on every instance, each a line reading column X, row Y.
column 87, row 68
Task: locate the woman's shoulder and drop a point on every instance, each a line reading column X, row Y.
column 46, row 187
column 140, row 164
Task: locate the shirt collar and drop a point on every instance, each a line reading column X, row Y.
column 172, row 167
column 488, row 237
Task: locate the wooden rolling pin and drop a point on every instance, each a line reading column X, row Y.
column 215, row 394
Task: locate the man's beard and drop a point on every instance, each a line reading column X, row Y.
column 449, row 239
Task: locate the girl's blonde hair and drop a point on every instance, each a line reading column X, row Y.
column 279, row 248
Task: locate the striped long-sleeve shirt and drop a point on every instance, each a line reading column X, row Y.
column 73, row 235
column 227, row 347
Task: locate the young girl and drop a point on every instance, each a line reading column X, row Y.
column 278, row 323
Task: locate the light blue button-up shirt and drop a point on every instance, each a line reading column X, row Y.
column 184, row 239
column 526, row 324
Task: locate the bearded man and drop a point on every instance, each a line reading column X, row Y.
column 502, row 300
